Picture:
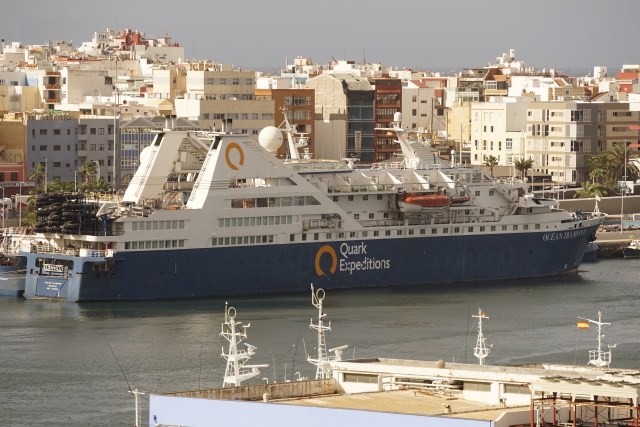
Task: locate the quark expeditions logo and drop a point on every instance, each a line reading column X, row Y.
column 562, row 235
column 234, row 146
column 354, row 258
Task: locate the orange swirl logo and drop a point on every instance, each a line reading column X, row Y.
column 334, row 260
column 234, row 146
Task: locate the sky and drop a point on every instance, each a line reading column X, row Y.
column 426, row 35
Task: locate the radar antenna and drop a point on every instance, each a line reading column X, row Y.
column 236, row 371
column 481, row 351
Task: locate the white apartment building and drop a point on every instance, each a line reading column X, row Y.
column 422, row 106
column 497, row 129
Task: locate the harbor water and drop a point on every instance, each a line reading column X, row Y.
column 71, row 364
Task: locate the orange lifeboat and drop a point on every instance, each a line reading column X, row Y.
column 427, row 203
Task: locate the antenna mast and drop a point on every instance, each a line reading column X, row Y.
column 236, row 371
column 598, row 357
column 481, row 351
column 322, row 362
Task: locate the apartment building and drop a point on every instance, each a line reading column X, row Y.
column 388, row 101
column 496, row 129
column 560, row 137
column 614, row 120
column 345, row 116
column 299, row 107
column 225, row 94
column 13, row 168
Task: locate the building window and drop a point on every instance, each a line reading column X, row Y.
column 56, row 131
column 56, row 148
column 56, row 164
column 43, row 148
column 43, row 131
column 100, row 147
column 92, row 131
column 414, row 112
column 92, row 147
column 414, row 98
column 100, row 131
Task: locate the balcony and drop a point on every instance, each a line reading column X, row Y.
column 52, row 100
column 52, row 73
column 52, row 86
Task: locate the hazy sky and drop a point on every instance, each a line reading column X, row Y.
column 419, row 34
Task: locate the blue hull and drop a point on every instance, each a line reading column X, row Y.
column 217, row 271
column 13, row 279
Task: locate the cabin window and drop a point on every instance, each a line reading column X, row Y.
column 328, row 236
column 379, row 196
column 422, row 231
column 434, row 231
column 376, row 233
column 470, row 229
column 411, row 232
column 316, row 236
column 504, row 228
column 350, row 198
column 491, row 192
column 304, row 237
column 537, row 226
column 515, row 227
column 399, row 233
column 353, row 235
column 340, row 235
column 365, row 197
column 365, row 233
column 387, row 233
column 482, row 229
column 493, row 228
column 335, row 198
column 525, row 227
column 356, row 216
column 477, row 193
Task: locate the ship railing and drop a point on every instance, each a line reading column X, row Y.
column 14, row 230
column 360, row 188
column 48, row 249
column 381, row 223
column 319, row 184
column 96, row 253
column 178, row 185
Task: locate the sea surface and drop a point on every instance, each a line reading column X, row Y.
column 67, row 364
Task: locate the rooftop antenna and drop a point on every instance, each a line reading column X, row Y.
column 480, row 350
column 597, row 357
column 323, row 370
column 236, row 371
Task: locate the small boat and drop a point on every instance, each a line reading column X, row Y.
column 429, row 203
column 633, row 250
column 591, row 252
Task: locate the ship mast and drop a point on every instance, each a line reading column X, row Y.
column 236, row 371
column 598, row 357
column 322, row 362
column 481, row 351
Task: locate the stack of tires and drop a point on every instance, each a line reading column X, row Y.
column 71, row 208
column 49, row 213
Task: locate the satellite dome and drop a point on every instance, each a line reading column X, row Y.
column 397, row 117
column 270, row 138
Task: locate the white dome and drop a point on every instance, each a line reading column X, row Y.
column 397, row 117
column 270, row 138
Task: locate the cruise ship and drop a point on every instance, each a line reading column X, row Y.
column 216, row 213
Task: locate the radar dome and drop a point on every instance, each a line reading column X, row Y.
column 270, row 138
column 397, row 117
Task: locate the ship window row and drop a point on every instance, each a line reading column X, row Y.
column 274, row 202
column 155, row 244
column 255, row 221
column 401, row 232
column 157, row 225
column 241, row 240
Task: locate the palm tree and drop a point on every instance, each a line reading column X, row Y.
column 598, row 167
column 590, row 190
column 523, row 166
column 617, row 154
column 38, row 174
column 89, row 169
column 491, row 161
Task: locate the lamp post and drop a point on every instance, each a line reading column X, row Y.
column 460, row 148
column 46, row 173
column 4, row 212
column 20, row 205
column 624, row 188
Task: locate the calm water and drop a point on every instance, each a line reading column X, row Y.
column 56, row 365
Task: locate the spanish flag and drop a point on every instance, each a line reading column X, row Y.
column 582, row 324
column 483, row 314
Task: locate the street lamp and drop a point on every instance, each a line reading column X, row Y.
column 20, row 205
column 46, row 173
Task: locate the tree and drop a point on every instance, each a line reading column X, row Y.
column 523, row 166
column 617, row 154
column 89, row 169
column 491, row 161
column 38, row 174
column 598, row 167
column 590, row 190
column 99, row 185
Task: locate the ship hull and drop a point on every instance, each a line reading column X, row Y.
column 236, row 270
column 13, row 279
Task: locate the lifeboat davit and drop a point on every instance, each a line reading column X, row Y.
column 412, row 203
column 458, row 200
